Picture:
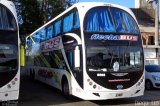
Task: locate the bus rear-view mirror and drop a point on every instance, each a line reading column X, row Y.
column 22, row 55
column 76, row 57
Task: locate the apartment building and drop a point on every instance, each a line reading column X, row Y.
column 145, row 14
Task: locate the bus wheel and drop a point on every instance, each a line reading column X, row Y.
column 148, row 85
column 32, row 75
column 65, row 88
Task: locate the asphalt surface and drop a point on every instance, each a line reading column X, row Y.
column 35, row 93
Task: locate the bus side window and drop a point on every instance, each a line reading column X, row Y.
column 71, row 58
column 69, row 43
column 68, row 23
column 76, row 20
column 42, row 34
column 56, row 59
column 57, row 27
column 69, row 55
column 29, row 42
column 49, row 32
column 36, row 38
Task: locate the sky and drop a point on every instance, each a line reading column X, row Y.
column 127, row 3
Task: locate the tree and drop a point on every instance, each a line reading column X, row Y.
column 31, row 16
column 35, row 13
column 50, row 9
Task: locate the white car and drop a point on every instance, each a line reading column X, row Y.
column 152, row 76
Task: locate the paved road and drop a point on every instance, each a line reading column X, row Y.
column 39, row 94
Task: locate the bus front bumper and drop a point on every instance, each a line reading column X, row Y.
column 11, row 95
column 87, row 95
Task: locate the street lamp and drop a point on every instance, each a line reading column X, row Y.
column 156, row 20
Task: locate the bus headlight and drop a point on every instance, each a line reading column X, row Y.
column 90, row 83
column 94, row 86
column 13, row 82
column 9, row 86
column 15, row 79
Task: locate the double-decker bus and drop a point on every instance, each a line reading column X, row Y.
column 9, row 52
column 92, row 50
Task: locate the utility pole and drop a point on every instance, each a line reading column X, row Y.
column 44, row 11
column 157, row 38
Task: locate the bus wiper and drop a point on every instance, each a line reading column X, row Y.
column 104, row 69
column 112, row 57
column 125, row 54
column 98, row 69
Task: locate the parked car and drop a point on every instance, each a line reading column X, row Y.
column 152, row 76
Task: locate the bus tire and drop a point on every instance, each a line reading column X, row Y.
column 32, row 75
column 65, row 88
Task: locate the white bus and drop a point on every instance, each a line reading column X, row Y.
column 92, row 50
column 9, row 52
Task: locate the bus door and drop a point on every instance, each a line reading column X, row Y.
column 70, row 47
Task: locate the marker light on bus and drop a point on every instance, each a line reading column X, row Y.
column 140, row 81
column 15, row 79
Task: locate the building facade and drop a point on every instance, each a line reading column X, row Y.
column 145, row 14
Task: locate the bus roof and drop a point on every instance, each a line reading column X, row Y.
column 83, row 4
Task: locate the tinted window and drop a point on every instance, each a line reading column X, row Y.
column 124, row 23
column 7, row 20
column 49, row 31
column 68, row 23
column 29, row 42
column 57, row 27
column 36, row 37
column 98, row 20
column 104, row 19
column 52, row 59
column 76, row 20
column 42, row 34
column 8, row 58
column 126, row 58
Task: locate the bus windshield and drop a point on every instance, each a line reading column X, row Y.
column 8, row 58
column 110, row 20
column 7, row 21
column 114, row 58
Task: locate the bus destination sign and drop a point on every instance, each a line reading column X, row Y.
column 114, row 37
